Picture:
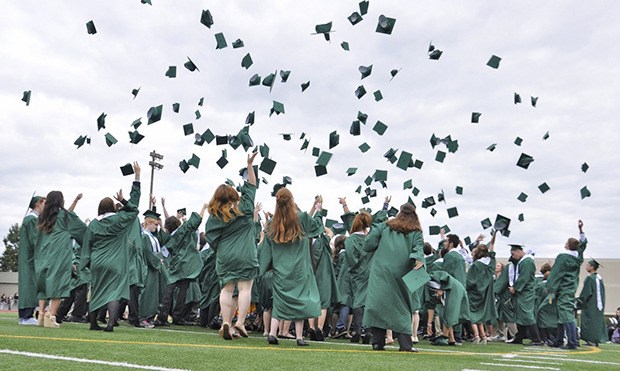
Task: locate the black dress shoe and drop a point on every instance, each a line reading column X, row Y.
column 96, row 328
column 312, row 334
column 319, row 335
column 569, row 347
column 301, row 343
column 109, row 329
column 272, row 340
column 377, row 347
column 367, row 338
column 356, row 337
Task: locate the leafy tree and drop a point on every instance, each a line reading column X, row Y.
column 8, row 260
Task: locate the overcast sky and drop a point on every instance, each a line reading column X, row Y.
column 563, row 52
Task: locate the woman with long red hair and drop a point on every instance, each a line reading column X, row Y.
column 286, row 250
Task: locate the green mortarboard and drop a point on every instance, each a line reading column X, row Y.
column 365, row 200
column 182, row 211
column 362, row 117
column 172, row 72
column 486, row 223
column 146, row 2
column 221, row 139
column 365, row 71
column 434, row 141
column 334, row 139
column 594, row 263
column 452, row 212
column 534, row 100
column 320, row 170
column 127, row 169
column 492, row 147
column 237, row 44
column 518, row 141
column 453, row 146
column 446, row 228
column 90, row 27
column 521, row 217
column 277, row 107
column 475, row 117
column 408, row 184
column 494, row 61
column 254, row 80
column 360, row 91
column 418, row 164
column 363, row 7
column 286, row 136
column 264, row 150
column 546, row 136
column 351, row 171
column 330, row 222
column 501, row 223
column 154, row 114
column 515, row 246
column 206, row 18
column 355, row 128
column 324, row 29
column 415, row 191
column 380, row 128
column 287, row 180
column 364, row 147
column 324, row 158
column 183, row 166
column 26, row 97
column 269, row 80
column 390, row 153
column 467, row 240
column 246, row 62
column 198, row 140
column 136, row 123
column 355, row 18
column 304, row 145
column 522, row 197
column 517, row 98
column 249, row 119
column 151, row 214
column 190, row 65
column 276, row 188
column 585, row 192
column 459, row 190
column 135, row 137
column 403, row 160
column 433, row 212
column 435, row 54
column 316, row 151
column 370, row 192
column 284, row 75
column 208, row 136
column 188, row 129
column 358, row 189
column 244, row 138
column 368, row 180
column 222, row 162
column 201, row 101
column 433, row 230
column 234, row 141
column 101, row 121
column 194, row 161
column 220, row 40
column 344, row 45
column 305, row 86
column 198, row 115
column 584, row 167
column 267, row 165
column 80, row 141
column 229, row 182
column 441, row 155
column 378, row 95
column 385, row 24
column 428, row 201
column 110, row 140
column 525, row 161
column 175, row 107
column 441, row 197
column 380, row 175
column 135, row 92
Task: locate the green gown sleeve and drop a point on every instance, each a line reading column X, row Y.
column 417, row 247
column 347, row 220
column 266, row 256
column 526, row 272
column 371, row 243
column 312, row 226
column 76, row 227
column 246, row 204
column 586, row 292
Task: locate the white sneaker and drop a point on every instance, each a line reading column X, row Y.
column 29, row 322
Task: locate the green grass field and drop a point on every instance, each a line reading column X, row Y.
column 194, row 348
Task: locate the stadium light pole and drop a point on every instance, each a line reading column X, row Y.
column 154, row 165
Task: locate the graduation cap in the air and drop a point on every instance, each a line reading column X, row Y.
column 194, row 161
column 452, row 212
column 544, row 187
column 81, row 140
column 220, row 41
column 365, row 71
column 517, row 98
column 324, row 158
column 501, row 223
column 546, row 136
column 254, row 80
column 351, row 171
column 237, row 44
column 534, row 100
column 305, row 86
column 394, row 72
column 323, row 29
column 459, row 190
column 154, row 114
column 127, row 169
column 364, row 147
column 172, row 72
column 363, row 5
column 525, row 161
column 355, row 18
column 188, row 129
column 175, row 107
column 334, row 139
column 486, row 223
column 522, row 197
column 26, row 97
column 249, row 119
column 222, row 161
column 585, row 192
column 221, row 140
column 184, row 166
column 286, row 136
column 246, row 62
column 320, row 170
column 475, row 117
column 362, row 117
column 110, row 140
column 404, row 160
column 385, row 25
column 277, row 107
column 360, row 91
column 518, row 141
column 190, row 65
column 434, row 53
column 441, row 155
column 284, row 75
column 90, row 28
column 267, row 165
column 494, row 61
column 269, row 80
column 135, row 92
column 263, row 150
column 344, row 45
column 101, row 121
column 198, row 115
column 135, row 137
column 355, row 128
column 379, row 127
column 585, row 167
column 378, row 95
column 492, row 147
column 206, row 18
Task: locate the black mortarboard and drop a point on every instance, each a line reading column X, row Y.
column 127, row 169
column 135, row 137
column 237, row 44
column 175, row 107
column 323, row 29
column 201, row 101
column 80, row 141
column 206, row 18
column 360, row 91
column 517, row 98
column 433, row 212
column 305, row 86
column 154, row 114
column 522, row 197
column 525, row 161
column 222, row 162
column 492, row 147
column 190, row 65
column 183, row 166
column 26, row 97
column 385, row 25
column 521, row 217
column 546, row 136
column 246, row 62
column 90, row 27
column 304, row 145
column 452, row 212
column 433, row 230
column 188, row 129
column 151, row 214
column 475, row 117
column 584, row 167
column 534, row 100
column 172, row 72
column 501, row 223
column 320, row 170
column 585, row 192
column 220, row 41
column 286, row 136
column 418, row 164
column 441, row 197
column 135, row 92
column 221, row 139
column 494, row 61
column 435, row 54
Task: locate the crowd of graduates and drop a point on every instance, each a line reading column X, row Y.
column 370, row 278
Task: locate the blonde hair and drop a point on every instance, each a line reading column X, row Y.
column 223, row 204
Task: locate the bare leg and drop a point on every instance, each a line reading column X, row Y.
column 226, row 305
column 429, row 322
column 285, row 329
column 415, row 320
column 273, row 327
column 244, row 298
column 322, row 319
column 54, row 305
column 267, row 322
column 299, row 329
column 389, row 337
column 474, row 329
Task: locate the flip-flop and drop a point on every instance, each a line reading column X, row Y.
column 225, row 331
column 242, row 331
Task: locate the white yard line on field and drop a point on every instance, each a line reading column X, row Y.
column 519, row 366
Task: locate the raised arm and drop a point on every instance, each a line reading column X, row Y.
column 316, row 205
column 75, row 201
column 343, row 202
column 491, row 244
column 251, row 175
column 163, row 206
column 386, row 202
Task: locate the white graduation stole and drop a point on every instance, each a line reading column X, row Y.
column 513, row 272
column 154, row 242
column 599, row 298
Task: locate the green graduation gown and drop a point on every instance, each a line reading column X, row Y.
column 591, row 301
column 480, row 291
column 324, row 271
column 265, row 285
column 26, row 276
column 388, row 302
column 563, row 281
column 185, row 261
column 155, row 278
column 505, row 305
column 454, row 265
column 209, row 283
column 235, row 241
column 358, row 262
column 343, row 280
column 454, row 307
column 105, row 251
column 525, row 292
column 295, row 294
column 54, row 256
column 137, row 265
column 547, row 314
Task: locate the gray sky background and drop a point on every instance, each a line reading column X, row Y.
column 564, row 52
